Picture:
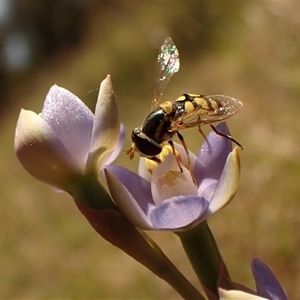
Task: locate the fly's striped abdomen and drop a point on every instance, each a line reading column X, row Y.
column 201, row 103
column 195, row 110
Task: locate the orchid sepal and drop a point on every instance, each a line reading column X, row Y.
column 106, row 129
column 228, row 183
column 41, row 152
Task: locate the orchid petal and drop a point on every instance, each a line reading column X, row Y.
column 237, row 295
column 228, row 183
column 267, row 284
column 171, row 183
column 71, row 120
column 178, row 212
column 125, row 187
column 41, row 152
column 142, row 169
column 212, row 155
column 207, row 189
column 106, row 126
column 138, row 187
column 115, row 152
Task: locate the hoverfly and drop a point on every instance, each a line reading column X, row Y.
column 167, row 118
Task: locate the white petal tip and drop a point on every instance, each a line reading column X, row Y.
column 237, row 295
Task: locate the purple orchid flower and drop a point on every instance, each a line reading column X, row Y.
column 168, row 199
column 267, row 286
column 66, row 146
column 67, row 139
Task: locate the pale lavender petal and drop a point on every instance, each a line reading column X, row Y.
column 142, row 170
column 212, row 155
column 131, row 194
column 116, row 151
column 178, row 212
column 228, row 183
column 137, row 186
column 267, row 284
column 42, row 153
column 207, row 189
column 72, row 121
column 106, row 128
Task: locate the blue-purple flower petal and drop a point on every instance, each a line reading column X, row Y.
column 178, row 212
column 212, row 155
column 137, row 186
column 125, row 196
column 267, row 284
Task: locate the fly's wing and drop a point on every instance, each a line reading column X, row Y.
column 209, row 109
column 167, row 65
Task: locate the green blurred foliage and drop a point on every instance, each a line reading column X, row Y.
column 249, row 51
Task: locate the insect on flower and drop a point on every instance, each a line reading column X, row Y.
column 167, row 118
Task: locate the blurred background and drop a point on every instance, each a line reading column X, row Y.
column 249, row 51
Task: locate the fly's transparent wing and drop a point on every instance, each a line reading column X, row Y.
column 210, row 109
column 167, row 65
column 224, row 107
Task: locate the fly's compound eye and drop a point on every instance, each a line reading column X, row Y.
column 144, row 145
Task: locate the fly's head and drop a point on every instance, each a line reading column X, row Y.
column 141, row 143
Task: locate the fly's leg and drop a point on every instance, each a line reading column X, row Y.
column 174, row 153
column 205, row 138
column 202, row 133
column 226, row 136
column 182, row 141
column 130, row 153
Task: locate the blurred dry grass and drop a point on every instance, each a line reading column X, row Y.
column 249, row 51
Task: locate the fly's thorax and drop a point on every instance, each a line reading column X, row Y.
column 167, row 107
column 156, row 126
column 153, row 121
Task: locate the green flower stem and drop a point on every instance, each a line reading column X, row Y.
column 203, row 253
column 179, row 282
column 172, row 275
column 119, row 231
column 97, row 206
column 90, row 192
